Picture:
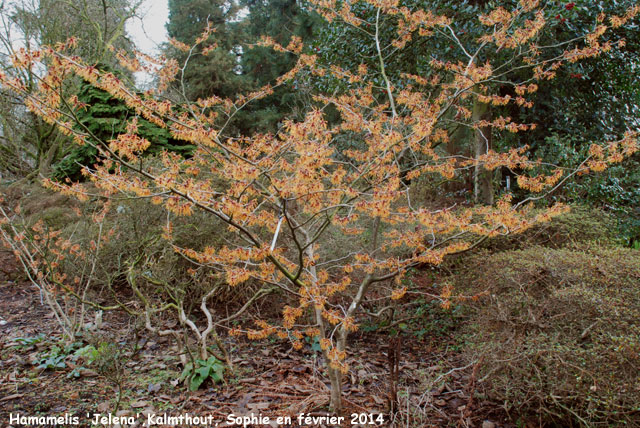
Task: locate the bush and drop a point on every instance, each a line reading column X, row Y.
column 579, row 225
column 132, row 229
column 616, row 190
column 108, row 256
column 39, row 204
column 558, row 335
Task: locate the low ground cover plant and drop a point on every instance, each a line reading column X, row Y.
column 557, row 337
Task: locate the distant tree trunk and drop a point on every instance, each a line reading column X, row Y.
column 48, row 146
column 457, row 137
column 482, row 178
column 48, row 158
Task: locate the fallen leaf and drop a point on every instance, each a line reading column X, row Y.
column 87, row 372
column 11, row 397
column 258, row 406
column 378, row 400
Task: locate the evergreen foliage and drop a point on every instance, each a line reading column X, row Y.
column 105, row 117
column 217, row 72
column 31, row 146
column 239, row 65
column 280, row 20
column 597, row 97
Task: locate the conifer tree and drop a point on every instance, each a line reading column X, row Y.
column 105, row 116
column 206, row 73
column 30, row 145
column 279, row 20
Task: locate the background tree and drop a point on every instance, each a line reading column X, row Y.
column 99, row 25
column 105, row 117
column 33, row 144
column 281, row 20
column 590, row 96
column 211, row 72
column 239, row 63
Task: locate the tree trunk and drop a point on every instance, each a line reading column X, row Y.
column 482, row 178
column 457, row 138
column 335, row 377
column 46, row 162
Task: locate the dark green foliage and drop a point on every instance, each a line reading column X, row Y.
column 211, row 368
column 416, row 55
column 589, row 101
column 281, row 20
column 213, row 74
column 58, row 355
column 30, row 146
column 219, row 72
column 616, row 190
column 105, row 117
column 595, row 99
column 238, row 65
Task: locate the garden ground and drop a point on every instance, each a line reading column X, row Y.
column 269, row 378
